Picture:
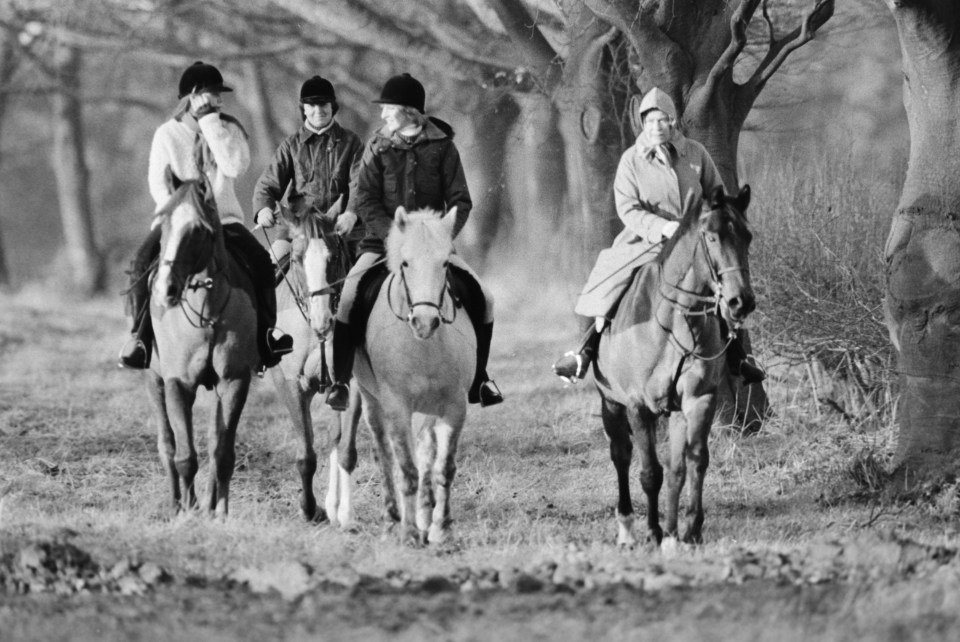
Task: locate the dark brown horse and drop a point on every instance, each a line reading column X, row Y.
column 202, row 305
column 306, row 306
column 663, row 354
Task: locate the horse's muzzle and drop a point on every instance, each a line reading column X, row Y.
column 424, row 325
column 739, row 307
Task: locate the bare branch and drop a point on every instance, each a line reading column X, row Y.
column 525, row 35
column 662, row 59
column 738, row 40
column 779, row 50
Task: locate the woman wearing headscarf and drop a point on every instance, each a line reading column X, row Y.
column 658, row 176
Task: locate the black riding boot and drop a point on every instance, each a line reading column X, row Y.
column 272, row 348
column 574, row 366
column 138, row 349
column 737, row 361
column 343, row 351
column 483, row 390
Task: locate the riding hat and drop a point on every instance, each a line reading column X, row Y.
column 201, row 77
column 316, row 91
column 657, row 99
column 404, row 90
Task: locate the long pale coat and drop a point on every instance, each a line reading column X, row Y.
column 648, row 193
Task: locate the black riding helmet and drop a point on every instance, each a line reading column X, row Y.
column 318, row 91
column 403, row 90
column 201, row 77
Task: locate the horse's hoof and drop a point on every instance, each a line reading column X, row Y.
column 437, row 534
column 319, row 516
column 669, row 547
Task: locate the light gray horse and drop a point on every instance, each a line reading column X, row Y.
column 414, row 369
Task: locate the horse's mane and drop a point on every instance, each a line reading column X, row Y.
column 717, row 201
column 423, row 228
column 689, row 220
column 196, row 193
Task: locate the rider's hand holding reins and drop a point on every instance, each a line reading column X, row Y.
column 669, row 229
column 345, row 223
column 266, row 217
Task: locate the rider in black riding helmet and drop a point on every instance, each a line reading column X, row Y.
column 199, row 137
column 411, row 161
column 316, row 164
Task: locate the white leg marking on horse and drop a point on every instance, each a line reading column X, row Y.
column 331, row 502
column 345, row 512
column 669, row 547
column 625, row 536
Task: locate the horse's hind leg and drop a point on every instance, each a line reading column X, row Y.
column 298, row 407
column 699, row 419
column 221, row 441
column 166, row 444
column 617, row 428
column 644, row 425
column 343, row 461
column 447, row 434
column 179, row 409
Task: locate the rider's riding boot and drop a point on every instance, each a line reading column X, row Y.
column 136, row 352
column 338, row 397
column 484, row 390
column 574, row 366
column 740, row 365
column 272, row 346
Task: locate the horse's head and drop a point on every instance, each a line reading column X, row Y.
column 418, row 252
column 190, row 226
column 318, row 249
column 726, row 238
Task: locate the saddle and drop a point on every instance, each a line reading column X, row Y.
column 464, row 289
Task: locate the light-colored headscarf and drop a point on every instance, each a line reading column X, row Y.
column 656, row 98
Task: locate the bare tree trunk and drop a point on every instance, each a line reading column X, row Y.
column 85, row 261
column 537, row 188
column 592, row 139
column 265, row 132
column 7, row 67
column 923, row 248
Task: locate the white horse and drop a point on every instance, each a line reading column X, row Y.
column 414, row 369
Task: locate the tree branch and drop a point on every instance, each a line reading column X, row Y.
column 779, row 50
column 523, row 32
column 662, row 59
column 738, row 40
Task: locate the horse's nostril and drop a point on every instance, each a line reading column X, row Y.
column 434, row 323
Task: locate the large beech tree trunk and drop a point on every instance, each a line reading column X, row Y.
column 84, row 260
column 923, row 249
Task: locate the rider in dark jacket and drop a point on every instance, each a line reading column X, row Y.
column 411, row 161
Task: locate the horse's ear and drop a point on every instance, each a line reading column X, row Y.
column 449, row 220
column 400, row 218
column 172, row 180
column 716, row 196
column 743, row 198
column 336, row 208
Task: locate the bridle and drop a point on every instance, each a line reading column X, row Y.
column 701, row 305
column 411, row 304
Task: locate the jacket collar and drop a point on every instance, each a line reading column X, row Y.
column 429, row 132
column 334, row 131
column 647, row 149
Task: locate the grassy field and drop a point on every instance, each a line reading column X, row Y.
column 796, row 543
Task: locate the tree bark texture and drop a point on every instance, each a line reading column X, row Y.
column 7, row 67
column 85, row 262
column 923, row 248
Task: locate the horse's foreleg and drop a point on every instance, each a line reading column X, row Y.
column 617, row 429
column 165, row 441
column 644, row 425
column 676, row 472
column 343, row 461
column 179, row 409
column 221, row 441
column 297, row 402
column 447, row 434
column 398, row 423
column 699, row 419
column 426, row 440
column 384, row 456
